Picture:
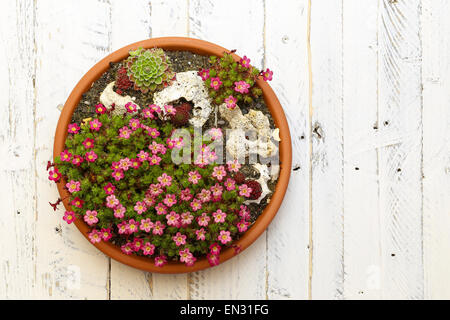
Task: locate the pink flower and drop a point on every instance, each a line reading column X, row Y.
column 65, row 156
column 95, row 236
column 215, row 248
column 106, row 234
column 219, row 216
column 170, row 109
column 132, row 226
column 77, row 160
column 244, row 213
column 127, row 248
column 267, row 75
column 215, row 133
column 90, row 217
column 69, row 217
column 173, row 219
column 117, row 174
column 73, row 128
column 131, row 107
column 73, row 186
column 148, row 249
column 185, row 255
column 54, row 175
column 95, row 125
column 109, row 188
column 216, row 190
column 160, row 261
column 152, row 132
column 204, row 74
column 100, row 109
column 200, row 233
column 137, row 244
column 216, row 83
column 179, row 239
column 245, row 62
column 124, row 164
column 119, row 211
column 155, row 108
column 91, row 156
column 196, row 204
column 77, row 202
column 203, row 220
column 122, row 227
column 170, row 200
column 233, row 166
column 115, row 165
column 186, row 195
column 154, row 147
column 230, row 102
column 155, row 189
column 161, row 209
column 190, row 261
column 124, row 132
column 146, row 225
column 219, row 172
column 112, row 201
column 142, row 156
column 154, row 160
column 224, row 237
column 186, row 218
column 158, row 228
column 88, row 143
column 230, row 184
column 148, row 113
column 213, row 259
column 134, row 124
column 242, row 225
column 241, row 86
column 244, row 190
column 165, row 180
column 135, row 163
column 194, row 177
column 140, row 207
column 204, row 195
column 149, row 200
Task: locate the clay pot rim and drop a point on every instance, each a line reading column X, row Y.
column 199, row 47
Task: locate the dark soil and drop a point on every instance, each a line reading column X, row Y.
column 181, row 61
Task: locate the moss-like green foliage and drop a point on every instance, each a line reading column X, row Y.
column 149, row 69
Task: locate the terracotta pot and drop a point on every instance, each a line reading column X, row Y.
column 199, row 47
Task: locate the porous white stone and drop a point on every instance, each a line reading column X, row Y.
column 190, row 86
column 109, row 96
column 263, row 178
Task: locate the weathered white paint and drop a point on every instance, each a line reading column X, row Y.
column 436, row 147
column 376, row 232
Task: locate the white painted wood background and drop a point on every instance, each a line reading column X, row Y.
column 365, row 85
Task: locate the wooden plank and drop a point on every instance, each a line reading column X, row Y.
column 288, row 235
column 243, row 276
column 17, row 173
column 70, row 38
column 362, row 261
column 436, row 147
column 327, row 150
column 400, row 169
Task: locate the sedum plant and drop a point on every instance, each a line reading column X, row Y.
column 231, row 81
column 148, row 69
column 122, row 182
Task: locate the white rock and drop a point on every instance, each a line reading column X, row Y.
column 263, row 178
column 190, row 86
column 109, row 96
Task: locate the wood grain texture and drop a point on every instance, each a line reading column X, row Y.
column 286, row 55
column 326, row 161
column 400, row 164
column 17, row 173
column 362, row 261
column 436, row 147
column 69, row 40
column 243, row 277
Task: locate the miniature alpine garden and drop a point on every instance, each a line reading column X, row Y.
column 159, row 160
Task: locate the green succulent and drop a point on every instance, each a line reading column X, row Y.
column 149, row 69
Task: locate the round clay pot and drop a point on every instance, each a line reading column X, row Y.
column 203, row 48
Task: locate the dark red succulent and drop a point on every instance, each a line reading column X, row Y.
column 239, row 177
column 123, row 82
column 181, row 116
column 256, row 189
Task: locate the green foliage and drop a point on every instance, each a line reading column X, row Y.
column 148, row 69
